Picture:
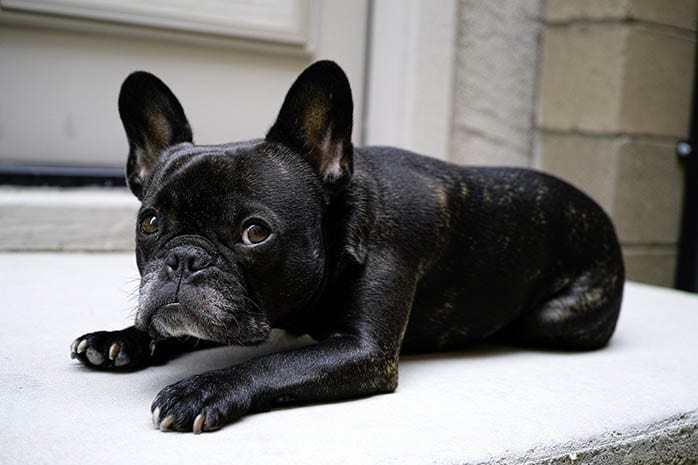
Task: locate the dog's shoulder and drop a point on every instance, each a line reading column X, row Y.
column 395, row 198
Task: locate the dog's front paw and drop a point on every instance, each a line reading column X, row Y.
column 203, row 402
column 105, row 350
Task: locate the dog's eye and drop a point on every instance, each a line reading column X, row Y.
column 149, row 225
column 254, row 234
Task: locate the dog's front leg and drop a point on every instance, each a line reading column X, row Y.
column 360, row 360
column 336, row 368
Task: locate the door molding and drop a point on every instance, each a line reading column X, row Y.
column 410, row 75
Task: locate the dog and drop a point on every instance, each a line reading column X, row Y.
column 372, row 251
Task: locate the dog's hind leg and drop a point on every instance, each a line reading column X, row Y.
column 580, row 316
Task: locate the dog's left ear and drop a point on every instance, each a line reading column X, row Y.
column 316, row 121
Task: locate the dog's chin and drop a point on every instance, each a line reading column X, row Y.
column 177, row 320
column 174, row 320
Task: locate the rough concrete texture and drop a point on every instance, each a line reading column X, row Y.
column 582, row 77
column 587, row 162
column 616, row 78
column 667, row 442
column 657, row 82
column 633, row 402
column 648, row 193
column 496, row 66
column 571, row 10
column 677, row 13
column 651, row 264
column 639, row 182
column 616, row 84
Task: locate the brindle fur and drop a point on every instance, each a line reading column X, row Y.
column 375, row 251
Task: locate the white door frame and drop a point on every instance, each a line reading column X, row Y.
column 410, row 75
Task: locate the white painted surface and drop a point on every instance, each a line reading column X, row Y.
column 410, row 75
column 273, row 20
column 469, row 407
column 63, row 90
column 59, row 99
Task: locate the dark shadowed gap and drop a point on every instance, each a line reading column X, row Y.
column 687, row 263
column 26, row 174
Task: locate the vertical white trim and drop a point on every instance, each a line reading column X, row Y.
column 410, row 81
column 341, row 36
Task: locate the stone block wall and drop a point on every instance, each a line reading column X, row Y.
column 614, row 97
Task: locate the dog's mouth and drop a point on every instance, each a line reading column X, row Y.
column 226, row 324
column 212, row 304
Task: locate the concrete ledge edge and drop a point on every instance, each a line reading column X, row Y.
column 673, row 440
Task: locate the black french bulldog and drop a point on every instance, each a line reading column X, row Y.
column 372, row 251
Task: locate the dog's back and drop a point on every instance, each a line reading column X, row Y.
column 498, row 251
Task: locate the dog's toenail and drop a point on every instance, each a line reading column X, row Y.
column 166, row 423
column 114, row 351
column 82, row 346
column 199, row 423
column 156, row 417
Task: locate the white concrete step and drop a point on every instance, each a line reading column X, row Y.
column 634, row 402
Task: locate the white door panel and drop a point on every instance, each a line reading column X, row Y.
column 61, row 78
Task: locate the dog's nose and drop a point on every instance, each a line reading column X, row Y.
column 186, row 261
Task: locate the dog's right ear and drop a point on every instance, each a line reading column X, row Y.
column 154, row 120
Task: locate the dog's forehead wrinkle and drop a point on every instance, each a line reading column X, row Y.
column 181, row 157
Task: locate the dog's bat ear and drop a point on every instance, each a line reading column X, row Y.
column 154, row 120
column 316, row 121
